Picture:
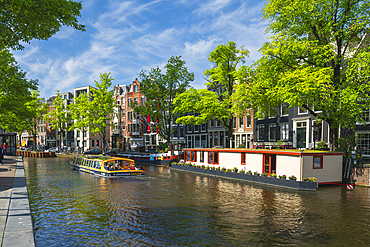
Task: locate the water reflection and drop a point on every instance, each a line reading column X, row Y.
column 170, row 208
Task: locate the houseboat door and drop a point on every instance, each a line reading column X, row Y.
column 269, row 163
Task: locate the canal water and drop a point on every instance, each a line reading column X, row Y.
column 173, row 208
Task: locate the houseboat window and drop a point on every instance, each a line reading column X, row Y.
column 210, row 157
column 215, row 155
column 243, row 158
column 202, row 156
column 317, row 162
column 188, row 156
column 194, row 156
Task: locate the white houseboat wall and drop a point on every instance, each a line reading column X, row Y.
column 326, row 167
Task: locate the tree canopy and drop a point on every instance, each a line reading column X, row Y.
column 102, row 106
column 16, row 93
column 24, row 20
column 317, row 58
column 215, row 102
column 160, row 88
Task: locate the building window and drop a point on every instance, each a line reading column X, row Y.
column 364, row 143
column 243, row 160
column 302, row 110
column 136, row 88
column 213, row 158
column 284, row 109
column 212, row 123
column 92, row 143
column 241, row 122
column 234, row 122
column 249, row 121
column 196, row 128
column 190, row 128
column 284, row 131
column 261, row 131
column 182, row 132
column 197, row 142
column 203, row 127
column 365, row 115
column 218, row 123
column 272, row 132
column 317, row 162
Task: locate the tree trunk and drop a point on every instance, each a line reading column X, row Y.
column 333, row 138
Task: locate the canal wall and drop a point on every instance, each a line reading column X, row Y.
column 360, row 176
column 19, row 229
column 291, row 184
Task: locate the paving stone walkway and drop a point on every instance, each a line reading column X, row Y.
column 15, row 215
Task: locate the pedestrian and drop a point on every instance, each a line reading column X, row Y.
column 5, row 146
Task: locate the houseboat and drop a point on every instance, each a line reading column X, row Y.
column 105, row 166
column 325, row 166
column 159, row 159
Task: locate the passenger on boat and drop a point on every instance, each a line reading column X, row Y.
column 132, row 167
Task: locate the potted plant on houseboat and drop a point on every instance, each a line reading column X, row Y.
column 282, row 176
column 273, row 175
column 264, row 174
column 293, row 178
column 249, row 172
column 256, row 174
column 235, row 169
column 242, row 171
column 223, row 169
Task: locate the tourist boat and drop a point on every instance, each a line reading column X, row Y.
column 106, row 166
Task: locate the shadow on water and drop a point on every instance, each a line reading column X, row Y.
column 169, row 208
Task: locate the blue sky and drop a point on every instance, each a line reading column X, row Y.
column 125, row 37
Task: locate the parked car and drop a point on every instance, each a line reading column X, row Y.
column 94, row 151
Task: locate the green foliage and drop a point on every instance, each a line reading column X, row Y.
column 17, row 95
column 214, row 104
column 235, row 169
column 321, row 145
column 347, row 144
column 24, row 20
column 309, row 62
column 81, row 114
column 160, row 89
column 280, row 143
column 162, row 146
column 102, row 106
column 58, row 118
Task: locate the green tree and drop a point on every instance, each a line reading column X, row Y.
column 24, row 20
column 102, row 107
column 317, row 58
column 216, row 102
column 160, row 88
column 31, row 112
column 58, row 117
column 80, row 112
column 16, row 92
